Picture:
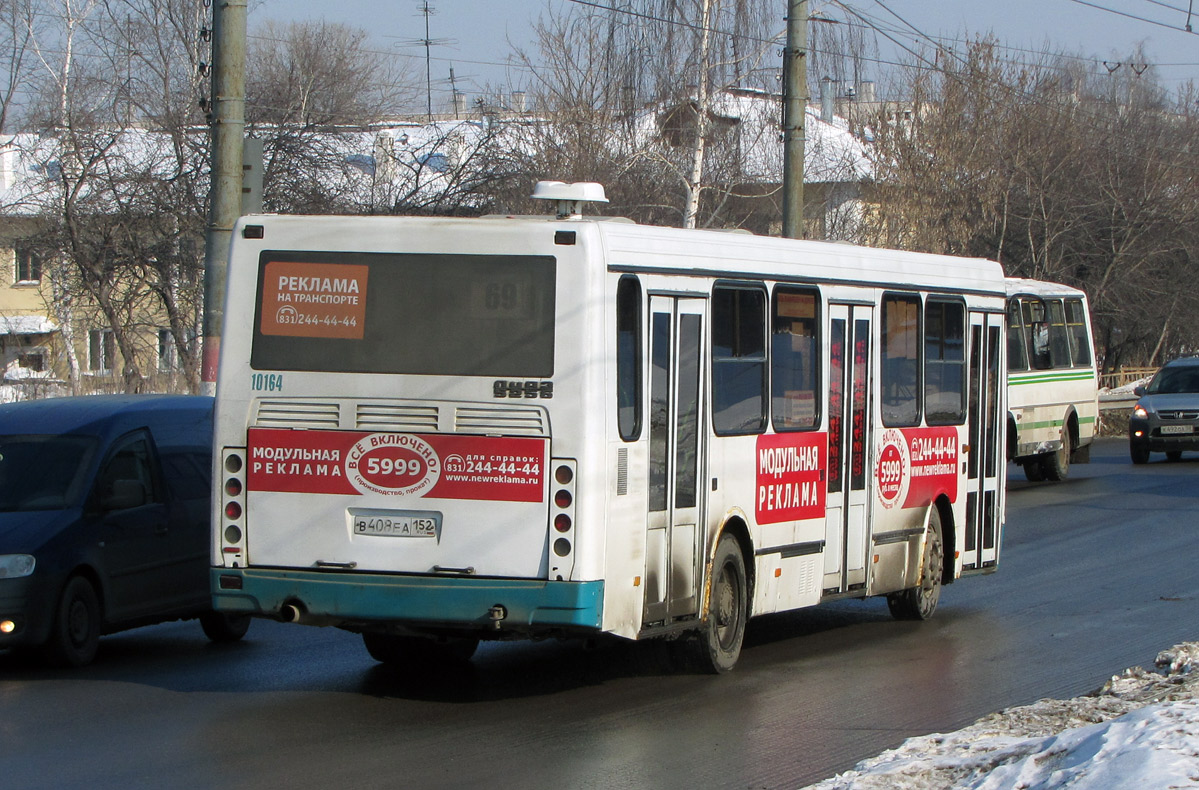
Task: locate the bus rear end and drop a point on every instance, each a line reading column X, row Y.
column 384, row 435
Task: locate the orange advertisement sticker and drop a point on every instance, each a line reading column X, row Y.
column 314, row 300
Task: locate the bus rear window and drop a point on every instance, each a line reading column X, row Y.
column 446, row 315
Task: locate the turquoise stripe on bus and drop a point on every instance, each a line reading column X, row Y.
column 414, row 599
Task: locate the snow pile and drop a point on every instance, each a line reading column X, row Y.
column 1140, row 730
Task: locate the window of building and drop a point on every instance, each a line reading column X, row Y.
column 33, row 361
column 795, row 359
column 28, row 265
column 901, row 360
column 738, row 359
column 101, row 350
column 944, row 362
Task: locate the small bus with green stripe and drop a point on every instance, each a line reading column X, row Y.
column 1053, row 387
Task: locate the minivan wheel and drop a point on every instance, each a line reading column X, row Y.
column 75, row 634
column 221, row 627
column 1139, row 452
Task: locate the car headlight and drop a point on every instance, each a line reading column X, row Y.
column 1139, row 412
column 14, row 566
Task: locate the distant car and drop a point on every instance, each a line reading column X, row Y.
column 104, row 508
column 1166, row 418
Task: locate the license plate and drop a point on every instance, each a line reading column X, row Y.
column 1178, row 429
column 393, row 524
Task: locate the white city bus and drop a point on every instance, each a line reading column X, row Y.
column 1053, row 386
column 434, row 431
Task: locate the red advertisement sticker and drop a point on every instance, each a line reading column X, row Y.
column 430, row 466
column 314, row 299
column 916, row 465
column 790, row 476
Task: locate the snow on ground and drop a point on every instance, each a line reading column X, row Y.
column 1141, row 730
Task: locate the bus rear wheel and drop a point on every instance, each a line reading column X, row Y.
column 919, row 602
column 718, row 645
column 398, row 650
column 222, row 627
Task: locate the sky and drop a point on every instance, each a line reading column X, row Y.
column 476, row 37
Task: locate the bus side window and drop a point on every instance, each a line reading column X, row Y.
column 1017, row 355
column 945, row 362
column 1036, row 328
column 794, row 361
column 901, row 360
column 628, row 358
column 1059, row 342
column 1080, row 338
column 738, row 360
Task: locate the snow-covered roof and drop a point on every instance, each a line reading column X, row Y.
column 421, row 160
column 26, row 325
column 1042, row 288
column 832, row 153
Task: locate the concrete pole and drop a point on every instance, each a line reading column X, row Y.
column 224, row 202
column 795, row 101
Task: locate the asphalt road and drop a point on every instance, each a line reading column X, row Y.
column 1096, row 574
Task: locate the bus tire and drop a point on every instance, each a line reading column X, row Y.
column 1056, row 465
column 718, row 645
column 919, row 602
column 1033, row 470
column 75, row 634
column 221, row 627
column 397, row 650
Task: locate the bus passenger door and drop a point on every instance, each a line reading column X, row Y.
column 984, row 463
column 676, row 451
column 847, row 519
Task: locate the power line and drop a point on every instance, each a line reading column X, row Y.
column 1133, row 16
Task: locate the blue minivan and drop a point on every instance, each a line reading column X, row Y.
column 104, row 513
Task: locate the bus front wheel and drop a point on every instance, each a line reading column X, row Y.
column 1056, row 465
column 919, row 602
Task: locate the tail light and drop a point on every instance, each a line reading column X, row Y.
column 232, row 533
column 562, row 518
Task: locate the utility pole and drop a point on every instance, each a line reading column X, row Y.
column 795, row 101
column 224, row 200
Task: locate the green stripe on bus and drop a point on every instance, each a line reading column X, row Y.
column 1044, row 379
column 1054, row 423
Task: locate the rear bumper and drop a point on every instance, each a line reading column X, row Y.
column 342, row 598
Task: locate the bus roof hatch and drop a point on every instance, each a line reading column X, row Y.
column 570, row 197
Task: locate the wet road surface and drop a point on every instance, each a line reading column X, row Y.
column 1097, row 573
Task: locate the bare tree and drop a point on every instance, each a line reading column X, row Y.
column 1058, row 172
column 633, row 95
column 309, row 83
column 16, row 35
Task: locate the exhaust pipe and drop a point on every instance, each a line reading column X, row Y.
column 290, row 613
